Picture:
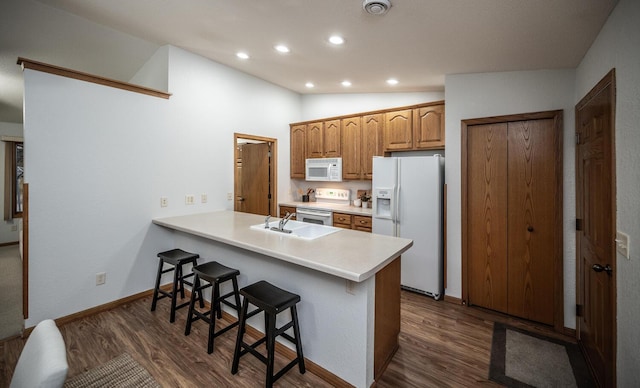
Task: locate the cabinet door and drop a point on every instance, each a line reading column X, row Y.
column 351, row 145
column 372, row 126
column 398, row 130
column 362, row 223
column 315, row 140
column 297, row 151
column 287, row 209
column 428, row 127
column 331, row 140
column 342, row 220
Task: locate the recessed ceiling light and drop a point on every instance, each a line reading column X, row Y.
column 346, row 83
column 309, row 85
column 242, row 55
column 282, row 48
column 336, row 39
column 392, row 81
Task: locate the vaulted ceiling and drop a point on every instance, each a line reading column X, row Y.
column 416, row 42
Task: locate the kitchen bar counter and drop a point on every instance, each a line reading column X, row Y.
column 347, row 254
column 348, row 282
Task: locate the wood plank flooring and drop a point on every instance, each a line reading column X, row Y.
column 441, row 345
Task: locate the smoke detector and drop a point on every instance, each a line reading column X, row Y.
column 376, row 7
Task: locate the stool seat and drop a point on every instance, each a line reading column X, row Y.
column 268, row 297
column 177, row 258
column 214, row 274
column 271, row 300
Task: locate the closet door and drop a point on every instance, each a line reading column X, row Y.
column 512, row 213
column 532, row 207
column 487, row 216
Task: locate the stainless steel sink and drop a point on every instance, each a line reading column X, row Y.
column 297, row 229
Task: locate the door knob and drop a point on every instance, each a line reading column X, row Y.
column 240, row 199
column 598, row 268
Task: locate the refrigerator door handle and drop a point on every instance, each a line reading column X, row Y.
column 396, row 201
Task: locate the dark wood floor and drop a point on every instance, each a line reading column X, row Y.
column 441, row 345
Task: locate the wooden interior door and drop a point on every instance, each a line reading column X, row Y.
column 512, row 209
column 533, row 209
column 253, row 178
column 595, row 211
column 487, row 216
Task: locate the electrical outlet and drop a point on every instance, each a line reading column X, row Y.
column 229, row 196
column 101, row 278
column 164, row 202
column 14, row 228
column 203, row 198
column 189, row 199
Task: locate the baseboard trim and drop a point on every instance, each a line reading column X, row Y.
column 452, row 299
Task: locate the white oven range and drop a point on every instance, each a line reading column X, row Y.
column 316, row 214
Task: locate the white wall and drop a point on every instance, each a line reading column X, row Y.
column 6, row 234
column 618, row 46
column 319, row 106
column 493, row 94
column 98, row 160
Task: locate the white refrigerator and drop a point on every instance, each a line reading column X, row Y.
column 407, row 202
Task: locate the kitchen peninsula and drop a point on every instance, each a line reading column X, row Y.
column 349, row 283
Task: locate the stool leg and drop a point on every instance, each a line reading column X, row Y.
column 218, row 308
column 236, row 295
column 215, row 305
column 155, row 290
column 174, row 291
column 194, row 296
column 270, row 329
column 241, row 328
column 296, row 332
column 180, row 277
column 199, row 291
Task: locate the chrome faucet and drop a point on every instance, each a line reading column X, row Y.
column 266, row 221
column 286, row 219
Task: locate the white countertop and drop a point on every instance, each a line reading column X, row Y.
column 331, row 207
column 348, row 254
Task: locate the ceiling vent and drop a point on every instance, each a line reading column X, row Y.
column 376, row 7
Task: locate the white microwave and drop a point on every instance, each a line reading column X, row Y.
column 325, row 169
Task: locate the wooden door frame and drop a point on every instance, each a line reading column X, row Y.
column 558, row 271
column 608, row 79
column 273, row 172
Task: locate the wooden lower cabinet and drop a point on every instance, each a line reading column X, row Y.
column 350, row 221
column 285, row 209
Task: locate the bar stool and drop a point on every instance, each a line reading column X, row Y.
column 272, row 300
column 176, row 258
column 214, row 274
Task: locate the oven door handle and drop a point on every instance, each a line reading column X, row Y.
column 308, row 212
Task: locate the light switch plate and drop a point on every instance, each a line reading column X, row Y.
column 622, row 244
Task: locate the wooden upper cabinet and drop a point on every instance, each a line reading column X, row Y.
column 372, row 132
column 420, row 128
column 398, row 130
column 351, row 148
column 315, row 140
column 331, row 141
column 298, row 151
column 323, row 139
column 428, row 127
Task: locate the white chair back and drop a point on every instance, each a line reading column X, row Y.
column 43, row 361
